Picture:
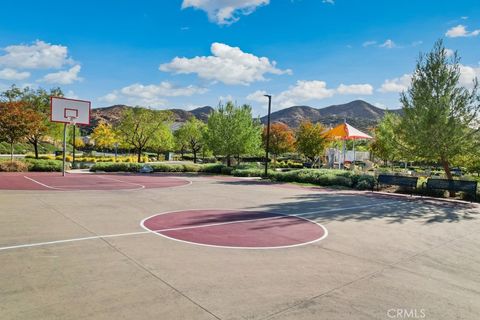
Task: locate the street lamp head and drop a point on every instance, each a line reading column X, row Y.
column 268, row 96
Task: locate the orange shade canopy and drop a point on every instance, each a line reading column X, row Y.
column 345, row 131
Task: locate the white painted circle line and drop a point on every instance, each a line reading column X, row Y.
column 37, row 244
column 280, row 215
column 126, row 182
column 79, row 187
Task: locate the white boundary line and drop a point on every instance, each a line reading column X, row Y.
column 281, row 215
column 126, row 182
column 42, row 184
column 141, row 186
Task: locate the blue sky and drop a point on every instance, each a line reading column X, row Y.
column 190, row 53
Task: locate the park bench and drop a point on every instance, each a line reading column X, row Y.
column 453, row 185
column 392, row 180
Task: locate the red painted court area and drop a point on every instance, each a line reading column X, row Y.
column 55, row 181
column 236, row 229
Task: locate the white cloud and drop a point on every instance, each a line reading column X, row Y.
column 224, row 99
column 39, row 55
column 397, row 84
column 380, row 105
column 389, row 44
column 258, row 96
column 301, row 92
column 150, row 95
column 63, row 77
column 449, row 52
column 369, row 43
column 304, row 91
column 362, row 89
column 461, row 31
column 467, row 75
column 225, row 12
column 229, row 65
column 12, row 74
column 71, row 95
column 109, row 97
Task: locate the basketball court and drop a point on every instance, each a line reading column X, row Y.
column 77, row 182
column 127, row 246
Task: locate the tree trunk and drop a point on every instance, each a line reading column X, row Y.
column 194, row 156
column 11, row 152
column 228, row 161
column 35, row 147
column 158, row 156
column 139, row 155
column 448, row 173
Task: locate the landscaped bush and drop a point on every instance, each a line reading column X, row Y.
column 44, row 165
column 324, row 177
column 253, row 172
column 212, row 168
column 13, row 166
column 116, row 167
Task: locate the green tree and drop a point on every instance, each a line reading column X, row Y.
column 138, row 125
column 191, row 135
column 440, row 116
column 232, row 131
column 162, row 140
column 16, row 122
column 311, row 141
column 386, row 144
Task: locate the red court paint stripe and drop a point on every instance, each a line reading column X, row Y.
column 52, row 181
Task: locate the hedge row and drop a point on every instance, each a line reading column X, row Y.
column 322, row 177
column 326, row 177
column 31, row 165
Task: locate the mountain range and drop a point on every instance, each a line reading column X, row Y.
column 358, row 113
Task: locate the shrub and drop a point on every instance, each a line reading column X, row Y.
column 326, row 177
column 365, row 182
column 191, row 167
column 254, row 172
column 226, row 170
column 164, row 167
column 45, row 165
column 13, row 166
column 116, row 167
column 212, row 168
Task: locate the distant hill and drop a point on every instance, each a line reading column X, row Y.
column 113, row 114
column 358, row 113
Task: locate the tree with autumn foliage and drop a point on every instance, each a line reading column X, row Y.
column 17, row 122
column 39, row 102
column 282, row 139
column 311, row 140
column 104, row 136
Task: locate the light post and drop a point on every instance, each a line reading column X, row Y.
column 268, row 134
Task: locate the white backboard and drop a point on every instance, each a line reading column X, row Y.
column 69, row 110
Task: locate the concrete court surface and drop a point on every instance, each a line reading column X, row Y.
column 385, row 257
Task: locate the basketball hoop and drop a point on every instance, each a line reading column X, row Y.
column 69, row 112
column 72, row 120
